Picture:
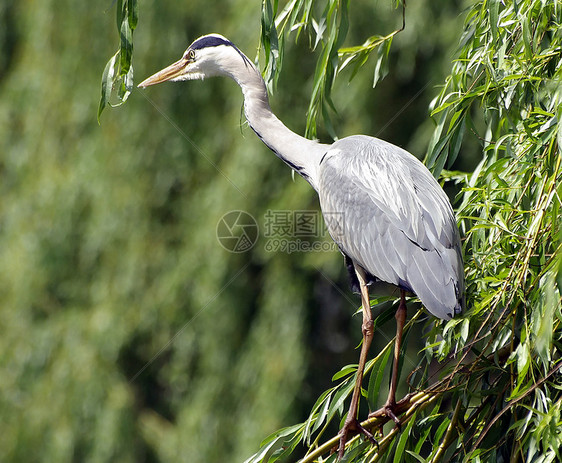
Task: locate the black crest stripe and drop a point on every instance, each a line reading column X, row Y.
column 215, row 41
column 210, row 41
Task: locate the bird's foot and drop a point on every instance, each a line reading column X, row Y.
column 350, row 428
column 390, row 410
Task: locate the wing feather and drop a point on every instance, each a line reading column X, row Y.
column 397, row 221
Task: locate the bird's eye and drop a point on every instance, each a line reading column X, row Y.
column 190, row 55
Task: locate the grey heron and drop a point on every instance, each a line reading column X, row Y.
column 388, row 215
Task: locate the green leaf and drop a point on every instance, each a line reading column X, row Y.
column 416, row 456
column 119, row 10
column 126, row 48
column 436, row 143
column 456, row 137
column 133, row 13
column 440, row 431
column 494, row 6
column 526, row 25
column 381, row 65
column 107, row 83
column 345, row 371
column 336, row 406
column 559, row 276
column 270, row 42
column 404, row 436
column 421, row 440
column 322, row 415
column 115, row 89
column 523, row 361
column 376, row 377
column 125, row 86
column 117, row 77
column 273, row 442
column 544, row 320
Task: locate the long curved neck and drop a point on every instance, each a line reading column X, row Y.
column 299, row 153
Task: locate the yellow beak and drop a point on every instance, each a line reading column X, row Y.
column 168, row 73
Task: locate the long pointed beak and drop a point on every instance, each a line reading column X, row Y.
column 168, row 73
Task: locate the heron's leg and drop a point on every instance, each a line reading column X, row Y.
column 351, row 424
column 400, row 322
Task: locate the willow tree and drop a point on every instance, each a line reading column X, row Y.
column 488, row 385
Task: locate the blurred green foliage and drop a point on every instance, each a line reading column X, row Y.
column 128, row 332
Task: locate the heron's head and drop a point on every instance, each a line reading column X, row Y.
column 210, row 55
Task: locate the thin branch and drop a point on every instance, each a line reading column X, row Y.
column 510, row 404
column 450, row 434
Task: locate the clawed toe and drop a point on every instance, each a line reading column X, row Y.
column 350, row 429
column 389, row 410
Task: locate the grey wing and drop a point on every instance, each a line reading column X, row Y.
column 389, row 215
